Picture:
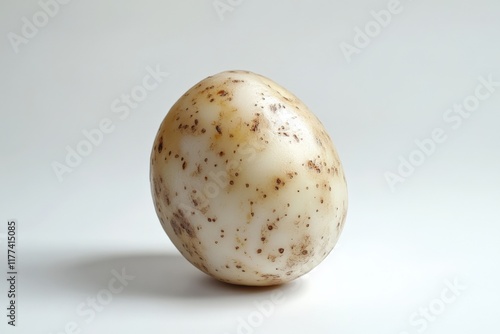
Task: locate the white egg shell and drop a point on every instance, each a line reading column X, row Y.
column 246, row 182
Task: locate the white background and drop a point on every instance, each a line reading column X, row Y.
column 399, row 247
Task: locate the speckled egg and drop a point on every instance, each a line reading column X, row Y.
column 246, row 182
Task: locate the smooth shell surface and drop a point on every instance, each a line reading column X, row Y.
column 246, row 182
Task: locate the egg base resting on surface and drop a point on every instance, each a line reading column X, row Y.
column 246, row 182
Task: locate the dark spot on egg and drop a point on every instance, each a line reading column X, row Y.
column 160, row 145
column 255, row 125
column 314, row 166
column 181, row 223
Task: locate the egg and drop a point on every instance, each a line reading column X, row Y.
column 246, row 182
